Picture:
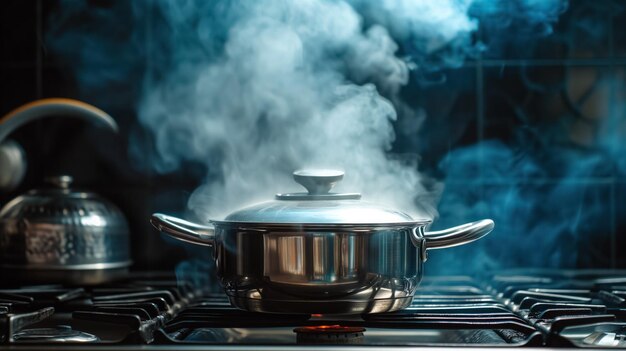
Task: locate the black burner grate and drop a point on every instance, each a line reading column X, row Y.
column 539, row 308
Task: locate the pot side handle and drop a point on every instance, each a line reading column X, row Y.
column 183, row 230
column 458, row 235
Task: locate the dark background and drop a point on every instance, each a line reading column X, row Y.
column 548, row 98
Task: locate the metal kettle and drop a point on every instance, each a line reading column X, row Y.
column 56, row 234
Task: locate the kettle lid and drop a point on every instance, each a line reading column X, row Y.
column 59, row 204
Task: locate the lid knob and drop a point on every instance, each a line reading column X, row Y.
column 60, row 181
column 318, row 181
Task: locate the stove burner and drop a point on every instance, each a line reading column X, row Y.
column 62, row 333
column 329, row 334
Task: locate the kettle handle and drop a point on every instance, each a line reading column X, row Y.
column 11, row 154
column 51, row 107
column 184, row 230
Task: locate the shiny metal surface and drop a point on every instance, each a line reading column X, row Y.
column 59, row 229
column 237, row 347
column 321, row 212
column 12, row 159
column 459, row 235
column 322, row 269
column 455, row 236
column 319, row 206
column 342, row 256
column 184, row 230
column 318, row 272
column 62, row 333
column 12, row 165
column 606, row 339
column 319, row 181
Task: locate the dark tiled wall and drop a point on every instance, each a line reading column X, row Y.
column 557, row 101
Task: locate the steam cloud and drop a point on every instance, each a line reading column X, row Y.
column 559, row 199
column 256, row 89
column 278, row 97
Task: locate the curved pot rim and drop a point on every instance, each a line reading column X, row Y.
column 67, row 267
column 267, row 226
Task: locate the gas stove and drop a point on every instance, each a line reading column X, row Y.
column 556, row 309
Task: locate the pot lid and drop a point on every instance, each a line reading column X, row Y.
column 319, row 205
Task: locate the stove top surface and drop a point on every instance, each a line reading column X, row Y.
column 525, row 308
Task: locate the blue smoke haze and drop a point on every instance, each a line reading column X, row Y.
column 252, row 90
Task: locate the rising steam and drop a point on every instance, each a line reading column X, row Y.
column 298, row 85
column 253, row 90
column 280, row 96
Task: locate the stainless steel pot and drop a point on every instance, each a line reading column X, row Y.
column 319, row 252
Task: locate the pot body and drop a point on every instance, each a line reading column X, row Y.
column 315, row 268
column 318, row 270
